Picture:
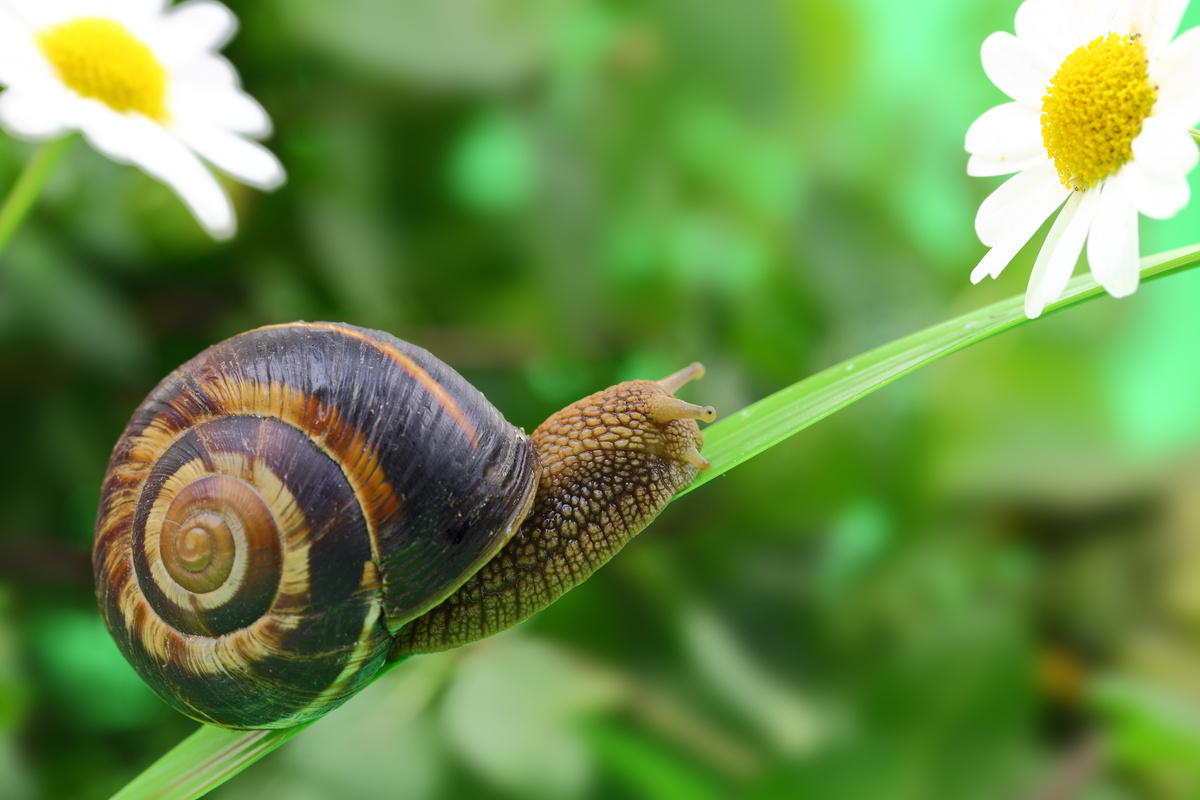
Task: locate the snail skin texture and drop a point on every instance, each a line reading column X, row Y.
column 299, row 504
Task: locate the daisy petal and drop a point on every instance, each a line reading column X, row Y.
column 1156, row 196
column 138, row 140
column 1004, row 139
column 33, row 13
column 1164, row 149
column 214, row 70
column 219, row 106
column 245, row 160
column 195, row 27
column 143, row 8
column 1119, row 15
column 1174, row 72
column 204, row 112
column 28, row 115
column 1018, row 70
column 997, row 128
column 104, row 129
column 1056, row 260
column 1041, row 24
column 986, row 166
column 1112, row 246
column 1034, row 192
column 1062, row 24
column 17, row 52
column 165, row 158
column 996, row 259
column 1156, row 22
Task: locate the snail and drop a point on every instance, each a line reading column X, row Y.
column 300, row 504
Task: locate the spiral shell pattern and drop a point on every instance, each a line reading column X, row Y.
column 285, row 502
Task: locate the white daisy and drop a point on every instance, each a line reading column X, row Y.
column 145, row 85
column 1102, row 103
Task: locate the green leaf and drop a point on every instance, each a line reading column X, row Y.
column 211, row 756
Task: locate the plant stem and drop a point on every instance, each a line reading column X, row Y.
column 211, row 756
column 204, row 760
column 744, row 434
column 1195, row 134
column 28, row 186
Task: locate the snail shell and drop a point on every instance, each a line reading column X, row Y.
column 283, row 503
column 299, row 503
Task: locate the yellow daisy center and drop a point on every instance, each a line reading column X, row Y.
column 1094, row 108
column 101, row 59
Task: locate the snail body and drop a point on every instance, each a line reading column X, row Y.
column 300, row 503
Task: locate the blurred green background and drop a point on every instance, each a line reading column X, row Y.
column 983, row 582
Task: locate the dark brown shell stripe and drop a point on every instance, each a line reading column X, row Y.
column 320, row 577
column 472, row 497
column 237, row 411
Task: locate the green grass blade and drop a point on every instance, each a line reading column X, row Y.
column 204, row 761
column 208, row 758
column 212, row 756
column 746, row 433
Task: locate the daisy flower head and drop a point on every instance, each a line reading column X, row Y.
column 1103, row 98
column 145, row 85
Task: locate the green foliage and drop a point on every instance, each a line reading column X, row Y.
column 918, row 597
column 1150, row 727
column 86, row 674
